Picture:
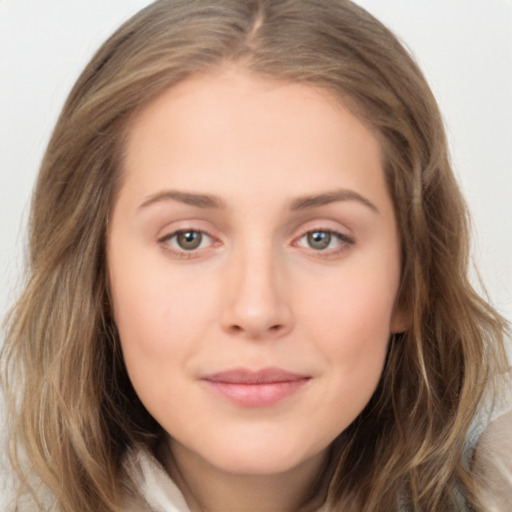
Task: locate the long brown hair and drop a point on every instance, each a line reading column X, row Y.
column 72, row 410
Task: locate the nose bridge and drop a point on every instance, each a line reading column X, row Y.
column 257, row 304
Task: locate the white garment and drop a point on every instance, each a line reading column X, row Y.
column 492, row 464
column 493, row 408
column 158, row 493
column 491, row 456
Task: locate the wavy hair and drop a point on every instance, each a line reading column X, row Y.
column 72, row 410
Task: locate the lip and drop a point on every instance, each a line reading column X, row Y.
column 255, row 388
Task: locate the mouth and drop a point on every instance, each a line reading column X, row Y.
column 261, row 388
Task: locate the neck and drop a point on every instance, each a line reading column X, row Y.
column 210, row 489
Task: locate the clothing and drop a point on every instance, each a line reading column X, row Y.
column 492, row 465
column 157, row 491
column 491, row 457
column 488, row 454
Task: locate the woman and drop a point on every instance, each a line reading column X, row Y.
column 248, row 276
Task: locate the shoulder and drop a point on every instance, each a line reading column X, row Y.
column 497, row 402
column 491, row 453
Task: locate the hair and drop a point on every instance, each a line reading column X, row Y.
column 73, row 413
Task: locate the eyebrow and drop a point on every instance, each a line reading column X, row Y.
column 334, row 196
column 301, row 203
column 199, row 200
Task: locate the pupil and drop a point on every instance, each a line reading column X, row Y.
column 319, row 239
column 189, row 240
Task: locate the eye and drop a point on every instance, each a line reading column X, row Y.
column 186, row 240
column 324, row 240
column 319, row 240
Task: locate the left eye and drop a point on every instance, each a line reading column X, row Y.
column 320, row 240
column 188, row 240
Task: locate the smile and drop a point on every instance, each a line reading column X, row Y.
column 261, row 388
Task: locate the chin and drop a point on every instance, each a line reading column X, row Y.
column 260, row 456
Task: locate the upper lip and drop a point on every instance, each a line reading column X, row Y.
column 263, row 376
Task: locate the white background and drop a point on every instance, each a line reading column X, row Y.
column 464, row 47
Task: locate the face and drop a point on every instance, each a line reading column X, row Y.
column 254, row 264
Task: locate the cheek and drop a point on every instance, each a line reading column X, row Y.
column 353, row 314
column 152, row 323
column 163, row 319
column 154, row 308
column 350, row 322
column 154, row 328
column 357, row 342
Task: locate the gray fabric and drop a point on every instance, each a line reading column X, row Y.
column 492, row 465
column 494, row 405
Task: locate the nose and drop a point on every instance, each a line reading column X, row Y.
column 257, row 305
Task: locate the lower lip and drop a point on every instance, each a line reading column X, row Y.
column 256, row 395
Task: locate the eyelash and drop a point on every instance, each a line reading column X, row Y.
column 166, row 242
column 345, row 242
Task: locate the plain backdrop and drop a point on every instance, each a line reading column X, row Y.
column 463, row 46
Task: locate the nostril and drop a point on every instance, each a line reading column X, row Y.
column 237, row 329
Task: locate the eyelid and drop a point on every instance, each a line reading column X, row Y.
column 346, row 241
column 342, row 236
column 324, row 224
column 164, row 241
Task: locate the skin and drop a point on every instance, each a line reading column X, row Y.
column 258, row 291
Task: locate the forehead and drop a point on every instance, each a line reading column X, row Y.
column 229, row 127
